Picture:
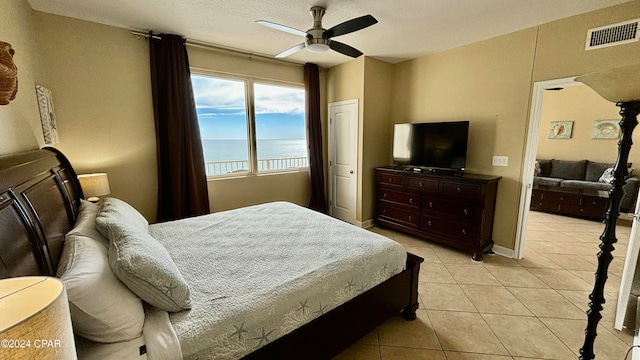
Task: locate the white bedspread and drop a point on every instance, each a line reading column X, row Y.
column 257, row 273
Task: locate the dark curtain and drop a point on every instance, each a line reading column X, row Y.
column 182, row 182
column 316, row 165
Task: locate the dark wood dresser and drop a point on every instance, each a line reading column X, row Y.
column 452, row 210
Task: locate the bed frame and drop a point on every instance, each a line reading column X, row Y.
column 39, row 200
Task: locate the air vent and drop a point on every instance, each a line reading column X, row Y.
column 612, row 35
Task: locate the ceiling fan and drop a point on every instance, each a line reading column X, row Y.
column 318, row 39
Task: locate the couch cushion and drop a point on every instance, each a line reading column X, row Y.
column 541, row 180
column 582, row 184
column 545, row 167
column 595, row 170
column 568, row 170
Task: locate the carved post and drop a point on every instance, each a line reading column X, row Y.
column 629, row 112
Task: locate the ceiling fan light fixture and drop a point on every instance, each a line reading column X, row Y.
column 317, row 48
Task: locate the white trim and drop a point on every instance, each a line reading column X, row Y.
column 366, row 224
column 503, row 251
column 530, row 156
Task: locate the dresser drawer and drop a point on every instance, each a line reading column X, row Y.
column 405, row 216
column 430, row 185
column 399, row 197
column 466, row 233
column 461, row 190
column 393, row 180
column 462, row 211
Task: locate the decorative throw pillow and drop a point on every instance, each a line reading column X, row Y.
column 607, row 176
column 537, row 170
column 116, row 211
column 102, row 308
column 86, row 223
column 145, row 266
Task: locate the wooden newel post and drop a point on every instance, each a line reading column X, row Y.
column 629, row 112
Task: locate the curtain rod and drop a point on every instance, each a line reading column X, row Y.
column 209, row 46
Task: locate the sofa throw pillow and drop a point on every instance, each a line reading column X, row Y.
column 102, row 308
column 545, row 167
column 536, row 168
column 568, row 169
column 607, row 176
column 145, row 266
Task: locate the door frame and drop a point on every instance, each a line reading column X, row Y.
column 531, row 143
column 331, row 153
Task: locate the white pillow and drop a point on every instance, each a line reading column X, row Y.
column 86, row 223
column 145, row 266
column 607, row 176
column 102, row 308
column 116, row 211
column 537, row 169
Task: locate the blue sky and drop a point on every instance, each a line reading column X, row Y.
column 221, row 109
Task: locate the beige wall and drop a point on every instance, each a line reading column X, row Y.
column 490, row 84
column 100, row 79
column 231, row 193
column 19, row 120
column 376, row 129
column 581, row 105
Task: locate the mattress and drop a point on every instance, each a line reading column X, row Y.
column 257, row 273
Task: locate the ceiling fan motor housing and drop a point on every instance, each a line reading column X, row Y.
column 315, row 41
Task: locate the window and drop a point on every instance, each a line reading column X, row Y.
column 250, row 127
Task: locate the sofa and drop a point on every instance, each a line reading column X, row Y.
column 585, row 174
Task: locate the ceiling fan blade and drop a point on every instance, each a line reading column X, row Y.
column 291, row 51
column 345, row 49
column 350, row 26
column 284, row 28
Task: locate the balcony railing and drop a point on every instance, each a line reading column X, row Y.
column 232, row 166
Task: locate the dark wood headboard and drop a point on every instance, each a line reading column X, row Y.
column 39, row 199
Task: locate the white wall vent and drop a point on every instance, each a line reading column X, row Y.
column 612, row 35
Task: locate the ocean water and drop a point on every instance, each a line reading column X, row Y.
column 236, row 150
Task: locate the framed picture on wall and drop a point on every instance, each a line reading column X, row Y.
column 561, row 130
column 605, row 129
column 47, row 115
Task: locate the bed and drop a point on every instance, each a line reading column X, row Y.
column 40, row 201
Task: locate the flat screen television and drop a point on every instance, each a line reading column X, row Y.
column 438, row 145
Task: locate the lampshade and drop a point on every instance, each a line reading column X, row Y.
column 618, row 85
column 94, row 185
column 35, row 321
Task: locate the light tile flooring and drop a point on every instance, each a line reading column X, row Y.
column 503, row 308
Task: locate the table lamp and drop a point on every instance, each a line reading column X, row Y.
column 94, row 185
column 35, row 321
column 622, row 86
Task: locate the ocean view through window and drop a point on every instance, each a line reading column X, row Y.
column 232, row 112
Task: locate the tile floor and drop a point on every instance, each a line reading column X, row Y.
column 503, row 308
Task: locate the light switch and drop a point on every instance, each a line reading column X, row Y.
column 500, row 161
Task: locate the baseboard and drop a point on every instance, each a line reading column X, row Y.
column 504, row 251
column 365, row 225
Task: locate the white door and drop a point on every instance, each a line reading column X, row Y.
column 343, row 159
column 629, row 270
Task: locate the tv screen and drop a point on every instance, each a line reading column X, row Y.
column 440, row 145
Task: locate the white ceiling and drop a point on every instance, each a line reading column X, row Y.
column 406, row 28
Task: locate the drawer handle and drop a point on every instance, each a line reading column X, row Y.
column 410, row 201
column 466, row 211
column 410, row 218
column 429, row 222
column 384, row 211
column 464, row 231
column 390, row 179
column 430, row 203
column 421, row 184
column 384, row 195
column 459, row 189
